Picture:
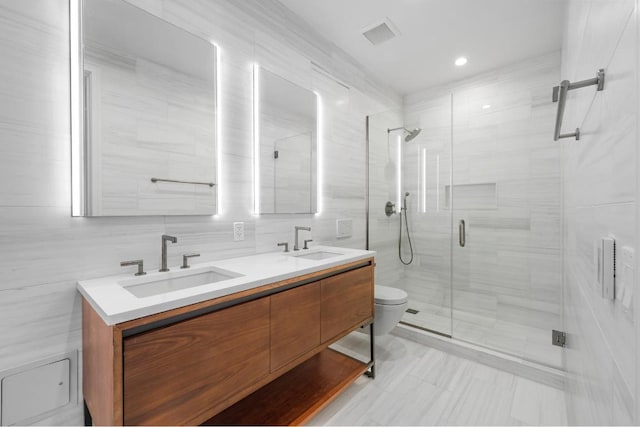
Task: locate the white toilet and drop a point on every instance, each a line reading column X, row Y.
column 391, row 304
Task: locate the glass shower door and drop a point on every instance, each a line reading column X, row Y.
column 484, row 209
column 426, row 175
column 422, row 168
column 506, row 214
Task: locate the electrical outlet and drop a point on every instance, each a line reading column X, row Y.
column 238, row 231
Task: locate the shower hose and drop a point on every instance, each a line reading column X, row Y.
column 406, row 224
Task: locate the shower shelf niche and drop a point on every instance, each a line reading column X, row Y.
column 482, row 196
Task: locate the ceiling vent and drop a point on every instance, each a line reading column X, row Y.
column 380, row 32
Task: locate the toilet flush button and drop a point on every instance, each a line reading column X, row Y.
column 344, row 227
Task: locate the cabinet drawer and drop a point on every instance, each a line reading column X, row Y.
column 295, row 323
column 183, row 373
column 347, row 300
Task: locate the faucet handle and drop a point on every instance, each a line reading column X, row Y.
column 138, row 262
column 305, row 243
column 286, row 246
column 185, row 259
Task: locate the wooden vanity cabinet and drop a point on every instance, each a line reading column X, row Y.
column 180, row 374
column 186, row 365
column 347, row 300
column 295, row 323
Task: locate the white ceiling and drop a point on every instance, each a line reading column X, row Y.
column 491, row 33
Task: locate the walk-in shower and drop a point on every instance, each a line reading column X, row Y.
column 481, row 155
column 390, row 206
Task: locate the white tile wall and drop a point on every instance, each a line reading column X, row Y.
column 599, row 187
column 43, row 251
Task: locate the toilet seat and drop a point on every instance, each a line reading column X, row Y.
column 385, row 295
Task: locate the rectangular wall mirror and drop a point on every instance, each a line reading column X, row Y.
column 286, row 148
column 145, row 138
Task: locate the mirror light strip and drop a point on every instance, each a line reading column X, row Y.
column 424, row 180
column 218, row 125
column 438, row 183
column 399, row 173
column 75, row 107
column 319, row 151
column 256, row 139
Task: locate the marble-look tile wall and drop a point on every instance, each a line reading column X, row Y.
column 599, row 187
column 286, row 177
column 290, row 130
column 486, row 150
column 44, row 251
column 148, row 120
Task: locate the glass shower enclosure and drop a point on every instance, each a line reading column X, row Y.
column 484, row 209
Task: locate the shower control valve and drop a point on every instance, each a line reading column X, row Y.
column 390, row 208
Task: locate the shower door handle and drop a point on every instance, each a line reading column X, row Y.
column 462, row 233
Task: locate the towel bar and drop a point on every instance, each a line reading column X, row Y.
column 210, row 184
column 560, row 96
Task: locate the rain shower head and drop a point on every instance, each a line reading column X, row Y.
column 411, row 133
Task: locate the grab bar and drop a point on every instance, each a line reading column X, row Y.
column 154, row 180
column 560, row 96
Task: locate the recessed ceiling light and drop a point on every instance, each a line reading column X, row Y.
column 486, row 106
column 461, row 61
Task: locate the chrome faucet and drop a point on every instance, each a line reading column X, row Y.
column 286, row 246
column 298, row 228
column 166, row 238
column 185, row 260
column 139, row 263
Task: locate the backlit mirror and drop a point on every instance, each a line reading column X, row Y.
column 145, row 141
column 286, row 145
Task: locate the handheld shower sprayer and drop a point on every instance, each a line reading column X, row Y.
column 406, row 224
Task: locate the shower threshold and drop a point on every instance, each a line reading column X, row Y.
column 537, row 372
column 422, row 328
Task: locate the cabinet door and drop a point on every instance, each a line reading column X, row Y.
column 347, row 301
column 185, row 372
column 295, row 323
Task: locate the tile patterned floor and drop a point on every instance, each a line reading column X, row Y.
column 418, row 385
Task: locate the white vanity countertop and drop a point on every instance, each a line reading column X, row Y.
column 115, row 304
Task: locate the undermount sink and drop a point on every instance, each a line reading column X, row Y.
column 318, row 255
column 152, row 286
